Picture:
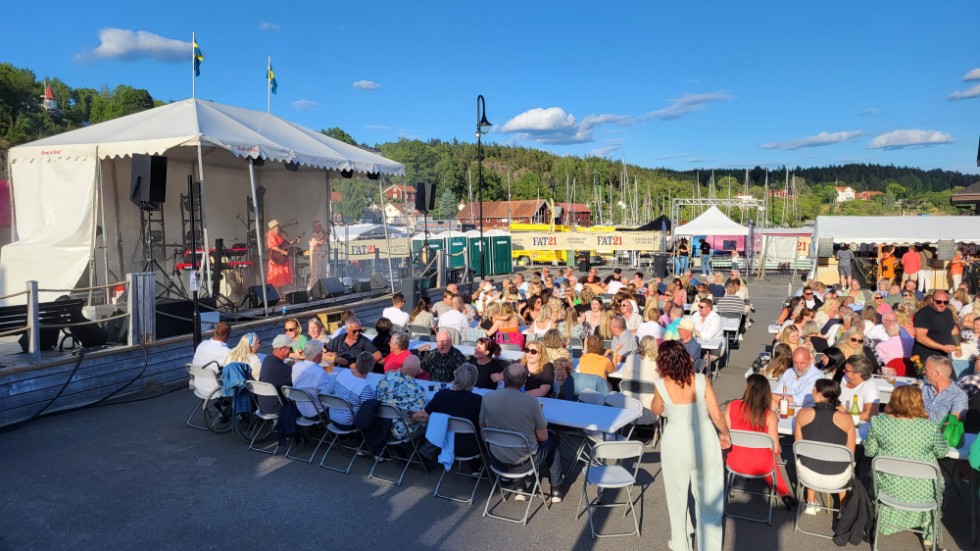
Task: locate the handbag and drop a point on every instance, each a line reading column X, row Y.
column 953, row 430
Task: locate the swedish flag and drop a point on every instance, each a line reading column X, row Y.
column 271, row 77
column 198, row 58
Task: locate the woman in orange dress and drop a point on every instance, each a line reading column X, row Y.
column 278, row 271
column 887, row 263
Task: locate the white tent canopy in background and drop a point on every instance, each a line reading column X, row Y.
column 711, row 222
column 62, row 185
column 897, row 230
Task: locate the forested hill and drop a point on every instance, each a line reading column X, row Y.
column 520, row 172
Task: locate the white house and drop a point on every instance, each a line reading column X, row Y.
column 845, row 193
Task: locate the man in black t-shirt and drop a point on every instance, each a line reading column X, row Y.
column 934, row 328
column 705, row 257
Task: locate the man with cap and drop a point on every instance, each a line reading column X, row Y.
column 685, row 334
column 276, row 372
column 309, row 376
column 279, row 272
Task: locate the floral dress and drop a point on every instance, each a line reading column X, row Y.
column 917, row 439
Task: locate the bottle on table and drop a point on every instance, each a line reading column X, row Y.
column 783, row 407
column 855, row 412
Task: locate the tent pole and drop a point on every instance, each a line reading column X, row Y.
column 105, row 240
column 258, row 235
column 384, row 218
column 329, row 257
column 10, row 193
column 95, row 224
column 204, row 218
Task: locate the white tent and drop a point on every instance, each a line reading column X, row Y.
column 897, row 230
column 711, row 222
column 71, row 191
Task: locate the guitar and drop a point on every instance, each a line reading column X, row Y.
column 281, row 258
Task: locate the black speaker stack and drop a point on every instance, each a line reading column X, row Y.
column 327, row 287
column 425, row 198
column 148, row 183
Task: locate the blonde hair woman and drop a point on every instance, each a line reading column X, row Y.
column 246, row 351
column 605, row 325
column 852, row 342
column 542, row 323
column 540, row 371
column 554, row 345
column 790, row 336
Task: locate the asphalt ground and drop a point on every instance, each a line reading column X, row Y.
column 131, row 476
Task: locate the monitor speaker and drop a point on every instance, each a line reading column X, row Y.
column 148, row 182
column 298, row 297
column 378, row 281
column 255, row 295
column 425, row 197
column 327, row 287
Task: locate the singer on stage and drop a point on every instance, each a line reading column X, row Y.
column 318, row 254
column 279, row 272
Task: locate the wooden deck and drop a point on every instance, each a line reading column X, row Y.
column 65, row 380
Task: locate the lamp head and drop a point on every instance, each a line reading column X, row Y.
column 484, row 125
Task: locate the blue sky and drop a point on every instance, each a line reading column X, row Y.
column 682, row 85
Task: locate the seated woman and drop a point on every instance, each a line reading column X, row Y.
column 458, row 401
column 646, row 370
column 398, row 351
column 594, row 361
column 650, row 326
column 833, row 364
column 824, row 422
column 858, row 386
column 382, row 341
column 906, row 432
column 247, row 352
column 506, row 328
column 540, row 370
column 564, row 377
column 790, row 336
column 570, row 328
column 782, row 359
column 489, row 368
column 422, row 315
column 812, row 338
column 753, row 413
column 555, row 345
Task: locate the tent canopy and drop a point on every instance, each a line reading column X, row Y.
column 243, row 132
column 712, row 222
column 898, row 230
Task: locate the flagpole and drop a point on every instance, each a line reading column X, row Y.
column 193, row 60
column 268, row 85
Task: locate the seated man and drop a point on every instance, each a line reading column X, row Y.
column 309, row 376
column 344, row 349
column 458, row 401
column 395, row 313
column 276, row 372
column 623, row 342
column 685, row 334
column 510, row 409
column 351, row 385
column 797, row 383
column 940, row 394
column 212, row 354
column 441, row 362
column 455, row 318
column 400, row 389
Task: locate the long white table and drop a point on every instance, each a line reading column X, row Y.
column 509, row 355
column 578, row 415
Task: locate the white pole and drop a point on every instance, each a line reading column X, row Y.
column 193, row 62
column 258, row 234
column 384, row 219
column 105, row 229
column 204, row 216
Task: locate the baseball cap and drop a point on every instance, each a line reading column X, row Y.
column 281, row 341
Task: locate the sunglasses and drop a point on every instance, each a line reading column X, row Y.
column 940, row 302
column 355, row 330
column 878, row 298
column 906, row 296
column 531, row 351
column 808, row 295
column 291, row 329
column 857, row 340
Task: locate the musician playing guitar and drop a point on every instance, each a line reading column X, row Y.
column 279, row 271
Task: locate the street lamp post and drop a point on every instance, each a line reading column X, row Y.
column 482, row 127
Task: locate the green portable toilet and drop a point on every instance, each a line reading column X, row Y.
column 435, row 244
column 473, row 247
column 500, row 252
column 456, row 247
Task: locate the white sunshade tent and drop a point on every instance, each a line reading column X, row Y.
column 711, row 222
column 66, row 187
column 897, row 230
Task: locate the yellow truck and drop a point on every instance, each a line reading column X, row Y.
column 557, row 256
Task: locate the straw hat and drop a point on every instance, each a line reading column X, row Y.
column 687, row 324
column 272, row 223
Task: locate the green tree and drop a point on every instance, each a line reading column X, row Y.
column 446, row 207
column 895, row 190
column 355, row 195
column 337, row 133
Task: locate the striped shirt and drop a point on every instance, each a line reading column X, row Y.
column 353, row 389
column 732, row 304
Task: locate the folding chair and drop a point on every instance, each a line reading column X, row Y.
column 508, row 346
column 298, row 396
column 387, row 411
column 731, row 325
column 622, row 401
column 821, row 451
column 584, row 449
column 751, row 440
column 424, row 338
column 453, row 334
column 498, row 439
column 460, row 426
column 609, row 477
column 414, row 330
column 638, row 390
column 267, row 390
column 907, row 468
column 574, row 342
column 215, row 418
column 337, row 434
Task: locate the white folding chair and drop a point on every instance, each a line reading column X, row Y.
column 609, row 477
column 751, row 440
column 337, row 434
column 460, row 426
column 210, row 406
column 588, row 438
column 509, row 346
column 909, row 469
column 498, row 439
column 260, row 389
column 299, row 396
column 637, row 390
column 820, row 451
column 419, row 330
column 387, row 411
column 622, row 401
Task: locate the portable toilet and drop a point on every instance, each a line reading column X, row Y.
column 501, row 252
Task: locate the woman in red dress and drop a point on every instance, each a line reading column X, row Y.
column 278, row 271
column 753, row 413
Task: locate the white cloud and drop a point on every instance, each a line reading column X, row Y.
column 268, row 26
column 966, row 94
column 605, row 151
column 897, row 139
column 870, row 111
column 972, row 75
column 823, row 138
column 685, row 105
column 554, row 126
column 131, row 45
column 366, row 85
column 305, row 104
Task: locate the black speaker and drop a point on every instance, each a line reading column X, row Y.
column 148, row 184
column 254, row 297
column 327, row 287
column 297, row 297
column 378, row 281
column 361, row 287
column 425, row 197
column 171, row 325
